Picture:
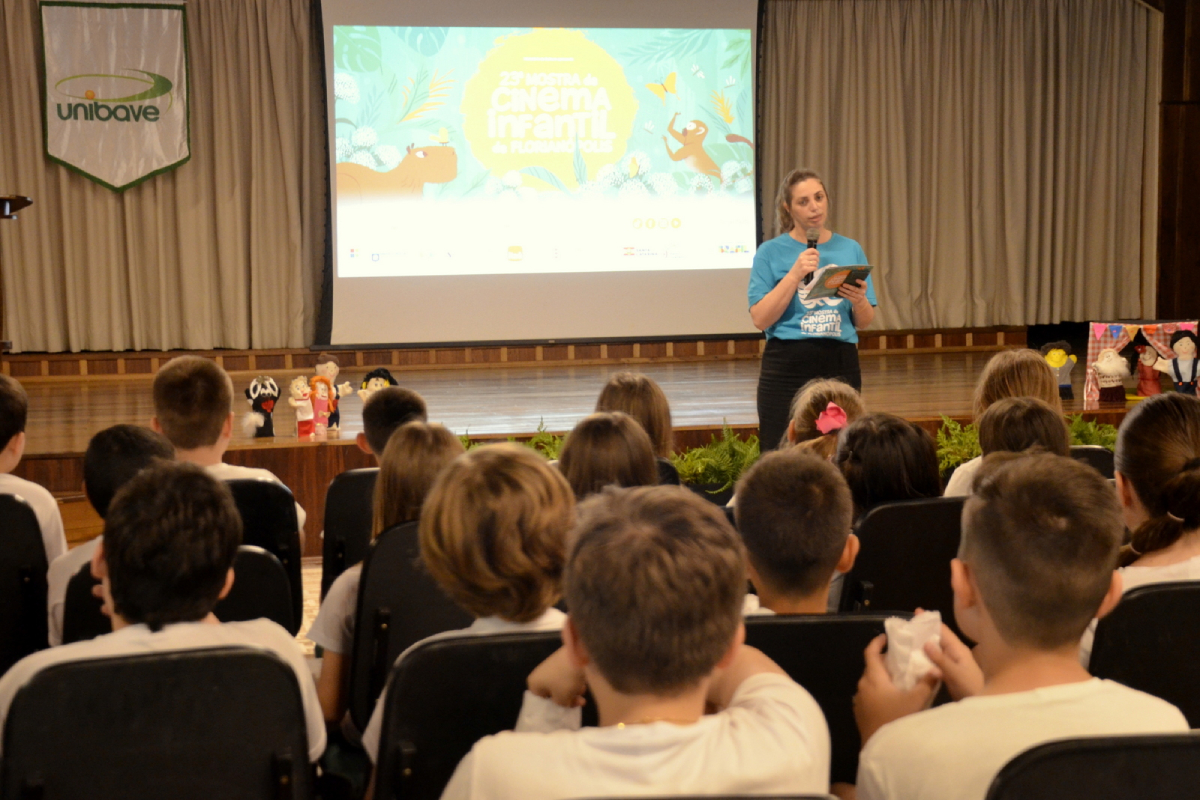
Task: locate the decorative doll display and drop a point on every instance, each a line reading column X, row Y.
column 262, row 394
column 1058, row 356
column 1148, row 385
column 323, row 402
column 1181, row 368
column 1111, row 371
column 375, row 380
column 328, row 367
column 301, row 400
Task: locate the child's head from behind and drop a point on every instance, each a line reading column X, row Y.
column 193, row 402
column 813, row 419
column 794, row 513
column 385, row 411
column 14, row 409
column 1016, row 373
column 1014, row 424
column 607, row 449
column 886, row 459
column 116, row 454
column 644, row 400
column 654, row 584
column 170, row 539
column 1157, row 461
column 1040, row 537
column 415, row 455
column 493, row 532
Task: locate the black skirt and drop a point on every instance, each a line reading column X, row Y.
column 787, row 365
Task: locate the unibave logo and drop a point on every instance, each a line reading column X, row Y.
column 113, row 106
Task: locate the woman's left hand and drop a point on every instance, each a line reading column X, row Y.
column 855, row 292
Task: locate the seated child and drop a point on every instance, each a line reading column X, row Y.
column 14, row 408
column 170, row 538
column 886, row 459
column 415, row 455
column 794, row 513
column 1039, row 544
column 1015, row 424
column 193, row 408
column 607, row 449
column 820, row 410
column 493, row 535
column 114, row 455
column 654, row 583
column 383, row 412
column 641, row 398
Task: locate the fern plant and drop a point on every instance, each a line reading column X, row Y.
column 722, row 461
column 1094, row 433
column 956, row 444
column 547, row 443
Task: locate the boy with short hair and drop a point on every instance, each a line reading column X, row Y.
column 1036, row 564
column 170, row 538
column 384, row 412
column 14, row 409
column 114, row 455
column 193, row 408
column 654, row 583
column 794, row 513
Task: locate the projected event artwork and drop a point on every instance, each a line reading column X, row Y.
column 489, row 151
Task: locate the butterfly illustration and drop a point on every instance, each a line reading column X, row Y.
column 697, row 71
column 662, row 89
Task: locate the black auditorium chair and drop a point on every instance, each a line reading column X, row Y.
column 347, row 523
column 824, row 654
column 1099, row 458
column 268, row 513
column 261, row 589
column 1151, row 642
column 82, row 617
column 190, row 725
column 1103, row 768
column 446, row 695
column 399, row 604
column 904, row 563
column 22, row 582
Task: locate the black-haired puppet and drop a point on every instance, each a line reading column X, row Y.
column 262, row 394
column 1111, row 370
column 328, row 367
column 1181, row 368
column 1058, row 356
column 375, row 380
column 1148, row 385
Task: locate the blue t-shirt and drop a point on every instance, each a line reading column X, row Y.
column 827, row 318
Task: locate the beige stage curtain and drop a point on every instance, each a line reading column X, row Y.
column 997, row 159
column 224, row 251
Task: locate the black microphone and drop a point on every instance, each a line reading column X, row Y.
column 812, row 234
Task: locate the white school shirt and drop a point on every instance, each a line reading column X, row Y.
column 261, row 634
column 772, row 739
column 552, row 620
column 954, row 751
column 960, row 482
column 45, row 508
column 333, row 629
column 235, row 472
column 62, row 569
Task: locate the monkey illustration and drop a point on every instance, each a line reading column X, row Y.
column 692, row 139
column 421, row 165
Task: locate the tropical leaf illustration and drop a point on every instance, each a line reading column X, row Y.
column 423, row 94
column 426, row 41
column 359, row 49
column 677, row 45
column 737, row 53
column 723, row 106
column 543, row 174
column 581, row 176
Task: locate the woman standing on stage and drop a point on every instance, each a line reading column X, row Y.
column 805, row 339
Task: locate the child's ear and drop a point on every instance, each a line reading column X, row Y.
column 962, row 583
column 1112, row 596
column 849, row 554
column 735, row 647
column 577, row 654
column 228, row 585
column 227, row 428
column 154, row 424
column 99, row 565
column 752, row 575
column 361, row 441
column 791, row 431
column 16, row 445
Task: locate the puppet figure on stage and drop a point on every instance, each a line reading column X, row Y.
column 328, row 367
column 1148, row 384
column 1058, row 356
column 262, row 394
column 323, row 403
column 1111, row 370
column 1181, row 368
column 301, row 400
column 805, row 339
column 375, row 380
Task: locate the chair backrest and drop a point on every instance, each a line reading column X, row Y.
column 268, row 513
column 1103, row 768
column 22, row 582
column 1151, row 642
column 1099, row 458
column 904, row 562
column 824, row 654
column 82, row 617
column 190, row 725
column 261, row 589
column 399, row 604
column 446, row 695
column 347, row 523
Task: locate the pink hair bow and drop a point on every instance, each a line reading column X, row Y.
column 833, row 418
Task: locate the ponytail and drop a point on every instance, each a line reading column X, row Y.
column 1180, row 514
